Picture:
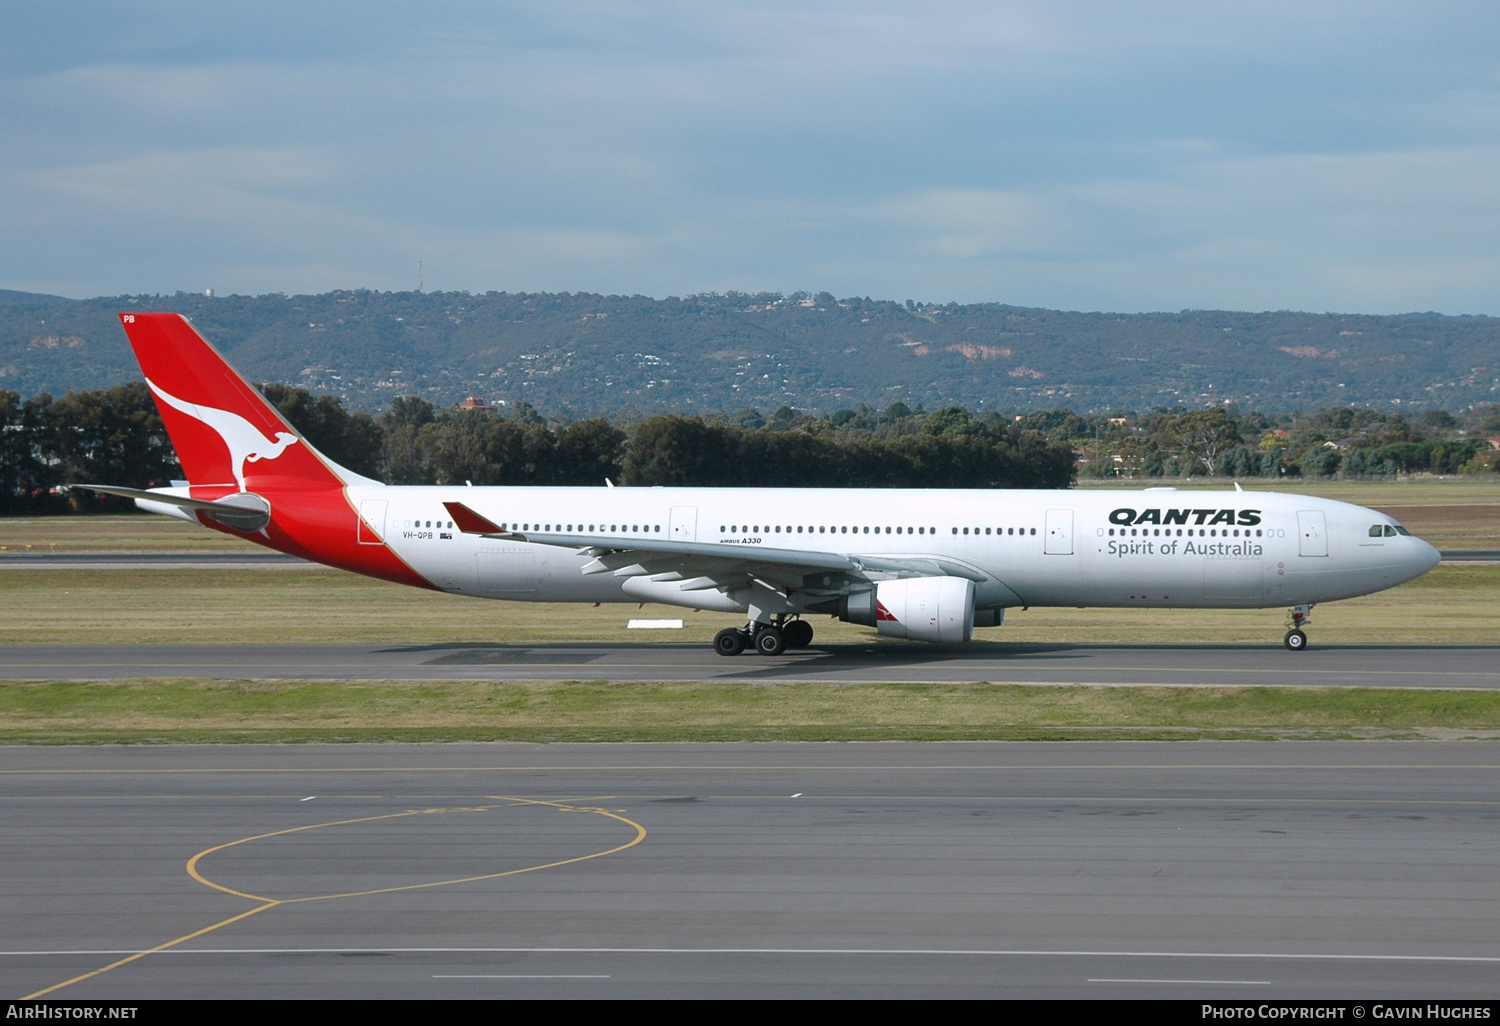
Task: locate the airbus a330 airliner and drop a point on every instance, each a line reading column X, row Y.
column 929, row 565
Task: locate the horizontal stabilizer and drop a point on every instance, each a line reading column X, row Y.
column 243, row 511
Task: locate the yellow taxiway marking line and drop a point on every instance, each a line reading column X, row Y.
column 142, row 954
column 268, row 903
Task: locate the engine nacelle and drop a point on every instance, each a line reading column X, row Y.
column 937, row 609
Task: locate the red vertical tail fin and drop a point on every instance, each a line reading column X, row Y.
column 224, row 431
column 230, row 440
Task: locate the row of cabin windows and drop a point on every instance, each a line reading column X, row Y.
column 799, row 529
column 569, row 528
column 777, row 529
column 754, row 529
column 1376, row 530
column 1211, row 532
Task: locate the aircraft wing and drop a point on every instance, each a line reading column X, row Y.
column 703, row 565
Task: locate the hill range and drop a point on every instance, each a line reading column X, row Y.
column 577, row 354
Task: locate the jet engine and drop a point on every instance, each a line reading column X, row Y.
column 921, row 608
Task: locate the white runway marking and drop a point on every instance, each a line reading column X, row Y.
column 1236, row 983
column 520, row 976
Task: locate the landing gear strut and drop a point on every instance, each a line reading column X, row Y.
column 769, row 639
column 1295, row 639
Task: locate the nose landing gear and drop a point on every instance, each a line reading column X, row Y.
column 1295, row 639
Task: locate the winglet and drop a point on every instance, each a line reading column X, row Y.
column 470, row 522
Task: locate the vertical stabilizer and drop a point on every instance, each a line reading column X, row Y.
column 225, row 433
column 230, row 440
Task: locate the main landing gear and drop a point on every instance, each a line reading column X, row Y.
column 1295, row 639
column 769, row 639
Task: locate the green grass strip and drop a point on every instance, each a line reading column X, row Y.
column 228, row 712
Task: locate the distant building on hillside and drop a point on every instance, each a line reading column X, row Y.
column 474, row 402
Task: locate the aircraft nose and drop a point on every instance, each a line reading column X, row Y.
column 1425, row 558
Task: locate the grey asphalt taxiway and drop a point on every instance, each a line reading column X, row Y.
column 1423, row 666
column 1241, row 871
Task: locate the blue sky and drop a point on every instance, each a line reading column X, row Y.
column 1124, row 157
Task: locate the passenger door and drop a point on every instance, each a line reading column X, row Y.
column 684, row 523
column 1312, row 533
column 1059, row 533
column 372, row 522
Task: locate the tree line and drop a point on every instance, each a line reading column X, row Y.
column 116, row 436
column 1345, row 442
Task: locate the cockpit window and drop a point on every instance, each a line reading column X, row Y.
column 1374, row 530
column 1390, row 532
column 1403, row 531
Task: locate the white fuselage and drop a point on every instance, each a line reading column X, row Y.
column 1158, row 547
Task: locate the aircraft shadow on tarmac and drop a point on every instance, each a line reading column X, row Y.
column 842, row 658
column 449, row 653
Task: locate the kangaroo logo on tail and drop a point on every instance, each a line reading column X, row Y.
column 244, row 440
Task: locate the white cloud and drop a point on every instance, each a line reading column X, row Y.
column 1375, row 232
column 1129, row 157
